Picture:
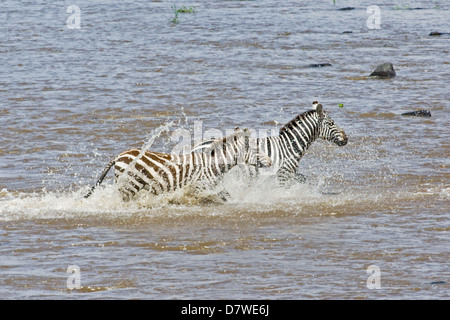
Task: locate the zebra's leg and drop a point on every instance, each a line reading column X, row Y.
column 224, row 195
column 203, row 193
column 287, row 178
column 129, row 185
column 300, row 178
column 252, row 172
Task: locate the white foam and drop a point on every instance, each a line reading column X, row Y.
column 106, row 201
column 246, row 196
column 14, row 206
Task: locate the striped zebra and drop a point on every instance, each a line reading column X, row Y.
column 157, row 173
column 286, row 149
column 295, row 137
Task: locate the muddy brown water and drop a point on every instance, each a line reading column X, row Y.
column 70, row 99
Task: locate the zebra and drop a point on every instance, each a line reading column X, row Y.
column 158, row 173
column 295, row 137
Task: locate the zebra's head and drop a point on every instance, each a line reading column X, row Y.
column 328, row 130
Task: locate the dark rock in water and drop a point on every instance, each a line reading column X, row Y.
column 319, row 65
column 346, row 9
column 438, row 282
column 436, row 33
column 385, row 70
column 418, row 113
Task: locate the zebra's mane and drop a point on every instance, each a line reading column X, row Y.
column 298, row 118
column 238, row 132
column 215, row 143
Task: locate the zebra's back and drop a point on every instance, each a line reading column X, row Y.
column 157, row 172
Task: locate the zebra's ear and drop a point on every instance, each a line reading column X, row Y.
column 319, row 110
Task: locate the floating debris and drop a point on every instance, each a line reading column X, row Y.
column 319, row 65
column 418, row 113
column 436, row 33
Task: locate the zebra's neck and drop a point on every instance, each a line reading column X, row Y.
column 294, row 139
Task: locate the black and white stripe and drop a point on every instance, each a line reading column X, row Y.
column 137, row 170
column 295, row 137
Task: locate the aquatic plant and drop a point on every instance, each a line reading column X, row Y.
column 183, row 9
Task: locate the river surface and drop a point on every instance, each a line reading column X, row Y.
column 79, row 86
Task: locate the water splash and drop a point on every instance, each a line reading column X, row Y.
column 325, row 172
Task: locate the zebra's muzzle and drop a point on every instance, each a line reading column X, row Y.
column 342, row 141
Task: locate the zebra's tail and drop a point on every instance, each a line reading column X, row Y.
column 102, row 176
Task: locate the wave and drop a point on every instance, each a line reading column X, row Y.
column 245, row 198
column 106, row 202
